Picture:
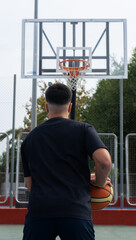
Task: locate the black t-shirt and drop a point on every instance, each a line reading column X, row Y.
column 55, row 155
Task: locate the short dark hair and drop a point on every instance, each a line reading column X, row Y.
column 59, row 94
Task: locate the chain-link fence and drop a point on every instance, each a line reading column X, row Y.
column 100, row 108
column 23, row 96
column 23, row 100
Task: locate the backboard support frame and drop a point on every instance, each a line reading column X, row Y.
column 52, row 73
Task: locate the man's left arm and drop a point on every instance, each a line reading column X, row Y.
column 28, row 182
column 25, row 152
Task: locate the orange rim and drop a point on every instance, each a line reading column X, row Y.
column 74, row 71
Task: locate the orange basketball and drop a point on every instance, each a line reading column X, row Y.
column 100, row 196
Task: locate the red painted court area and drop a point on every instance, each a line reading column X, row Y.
column 112, row 216
column 102, row 217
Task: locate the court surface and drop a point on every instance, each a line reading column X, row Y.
column 14, row 232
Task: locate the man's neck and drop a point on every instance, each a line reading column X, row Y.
column 64, row 115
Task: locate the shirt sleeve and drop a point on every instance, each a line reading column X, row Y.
column 25, row 159
column 93, row 141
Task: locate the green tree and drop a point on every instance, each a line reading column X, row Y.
column 82, row 101
column 41, row 113
column 103, row 110
column 130, row 97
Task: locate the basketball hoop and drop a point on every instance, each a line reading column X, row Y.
column 73, row 69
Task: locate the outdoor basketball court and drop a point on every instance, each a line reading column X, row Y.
column 14, row 232
column 81, row 49
column 71, row 50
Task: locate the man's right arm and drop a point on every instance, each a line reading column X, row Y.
column 98, row 152
column 103, row 166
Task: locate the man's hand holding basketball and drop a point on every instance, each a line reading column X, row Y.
column 93, row 181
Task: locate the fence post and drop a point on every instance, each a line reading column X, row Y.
column 121, row 147
column 13, row 140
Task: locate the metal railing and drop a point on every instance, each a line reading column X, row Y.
column 21, row 191
column 4, row 190
column 130, row 148
column 111, row 142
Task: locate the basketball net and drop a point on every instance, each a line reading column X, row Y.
column 74, row 72
column 73, row 83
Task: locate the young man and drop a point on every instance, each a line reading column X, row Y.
column 57, row 174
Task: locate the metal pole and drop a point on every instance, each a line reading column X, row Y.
column 121, row 147
column 40, row 48
column 34, row 82
column 64, row 40
column 13, row 140
column 84, row 38
column 73, row 110
column 107, row 49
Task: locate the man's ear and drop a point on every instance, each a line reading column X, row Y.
column 69, row 107
column 46, row 107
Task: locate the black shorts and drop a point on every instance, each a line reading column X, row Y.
column 65, row 228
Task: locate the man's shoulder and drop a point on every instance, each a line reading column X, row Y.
column 64, row 121
column 32, row 134
column 79, row 125
column 73, row 122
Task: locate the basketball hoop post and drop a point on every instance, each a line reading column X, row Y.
column 73, row 109
column 34, row 81
column 73, row 69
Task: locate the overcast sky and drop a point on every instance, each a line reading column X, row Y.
column 13, row 11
